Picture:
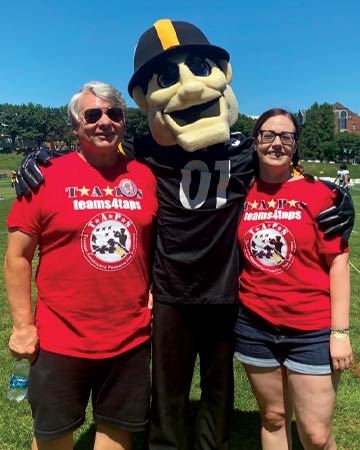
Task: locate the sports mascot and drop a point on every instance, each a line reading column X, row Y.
column 182, row 82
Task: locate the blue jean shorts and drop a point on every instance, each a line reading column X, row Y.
column 261, row 344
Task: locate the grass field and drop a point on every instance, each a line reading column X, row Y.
column 16, row 422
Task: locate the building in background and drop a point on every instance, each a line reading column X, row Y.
column 345, row 119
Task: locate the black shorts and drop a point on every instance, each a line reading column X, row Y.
column 60, row 387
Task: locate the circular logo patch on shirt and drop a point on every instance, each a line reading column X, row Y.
column 128, row 188
column 109, row 241
column 270, row 246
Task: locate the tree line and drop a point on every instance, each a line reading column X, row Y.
column 27, row 127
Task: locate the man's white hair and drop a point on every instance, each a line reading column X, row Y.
column 102, row 90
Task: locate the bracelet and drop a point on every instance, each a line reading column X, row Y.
column 339, row 330
column 340, row 335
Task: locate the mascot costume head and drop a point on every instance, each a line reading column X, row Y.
column 182, row 82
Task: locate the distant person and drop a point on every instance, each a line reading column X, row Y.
column 13, row 178
column 292, row 333
column 343, row 177
column 93, row 221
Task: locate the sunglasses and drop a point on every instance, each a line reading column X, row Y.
column 93, row 115
column 168, row 72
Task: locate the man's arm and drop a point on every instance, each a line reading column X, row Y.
column 24, row 341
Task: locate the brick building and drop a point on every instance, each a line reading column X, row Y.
column 345, row 119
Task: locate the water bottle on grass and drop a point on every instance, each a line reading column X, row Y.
column 18, row 384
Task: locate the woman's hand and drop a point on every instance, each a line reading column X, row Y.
column 341, row 352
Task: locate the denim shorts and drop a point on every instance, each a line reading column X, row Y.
column 261, row 344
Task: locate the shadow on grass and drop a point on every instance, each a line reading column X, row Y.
column 245, row 433
column 86, row 440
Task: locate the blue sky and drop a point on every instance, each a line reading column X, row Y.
column 287, row 53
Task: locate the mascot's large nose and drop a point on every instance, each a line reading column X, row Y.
column 190, row 86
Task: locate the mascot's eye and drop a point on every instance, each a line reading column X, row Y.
column 198, row 66
column 168, row 74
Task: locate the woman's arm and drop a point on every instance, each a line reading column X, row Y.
column 24, row 341
column 340, row 292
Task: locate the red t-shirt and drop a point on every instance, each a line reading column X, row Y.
column 285, row 278
column 95, row 232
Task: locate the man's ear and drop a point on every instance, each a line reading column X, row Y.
column 225, row 67
column 75, row 131
column 140, row 98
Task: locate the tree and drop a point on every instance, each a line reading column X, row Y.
column 327, row 132
column 317, row 140
column 35, row 125
column 11, row 121
column 60, row 131
column 347, row 146
column 244, row 124
column 309, row 140
column 136, row 122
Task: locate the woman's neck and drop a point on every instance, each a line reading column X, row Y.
column 276, row 176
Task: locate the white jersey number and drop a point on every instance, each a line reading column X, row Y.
column 223, row 167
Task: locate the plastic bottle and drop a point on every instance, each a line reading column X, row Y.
column 18, row 384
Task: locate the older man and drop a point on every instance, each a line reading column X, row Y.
column 93, row 221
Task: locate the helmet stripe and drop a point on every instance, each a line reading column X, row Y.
column 166, row 33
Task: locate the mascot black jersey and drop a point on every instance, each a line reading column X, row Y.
column 200, row 196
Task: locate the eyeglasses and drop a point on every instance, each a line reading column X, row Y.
column 268, row 136
column 93, row 115
column 168, row 72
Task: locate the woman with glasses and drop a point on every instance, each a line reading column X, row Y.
column 292, row 333
column 93, row 221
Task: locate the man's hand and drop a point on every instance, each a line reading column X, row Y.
column 24, row 343
column 150, row 301
column 339, row 218
column 28, row 174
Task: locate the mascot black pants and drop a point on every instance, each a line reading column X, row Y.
column 180, row 334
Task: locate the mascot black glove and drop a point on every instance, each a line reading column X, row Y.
column 338, row 219
column 28, row 174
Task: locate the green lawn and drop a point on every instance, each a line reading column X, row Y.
column 329, row 170
column 15, row 419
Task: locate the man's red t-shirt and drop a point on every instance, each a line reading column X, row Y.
column 95, row 233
